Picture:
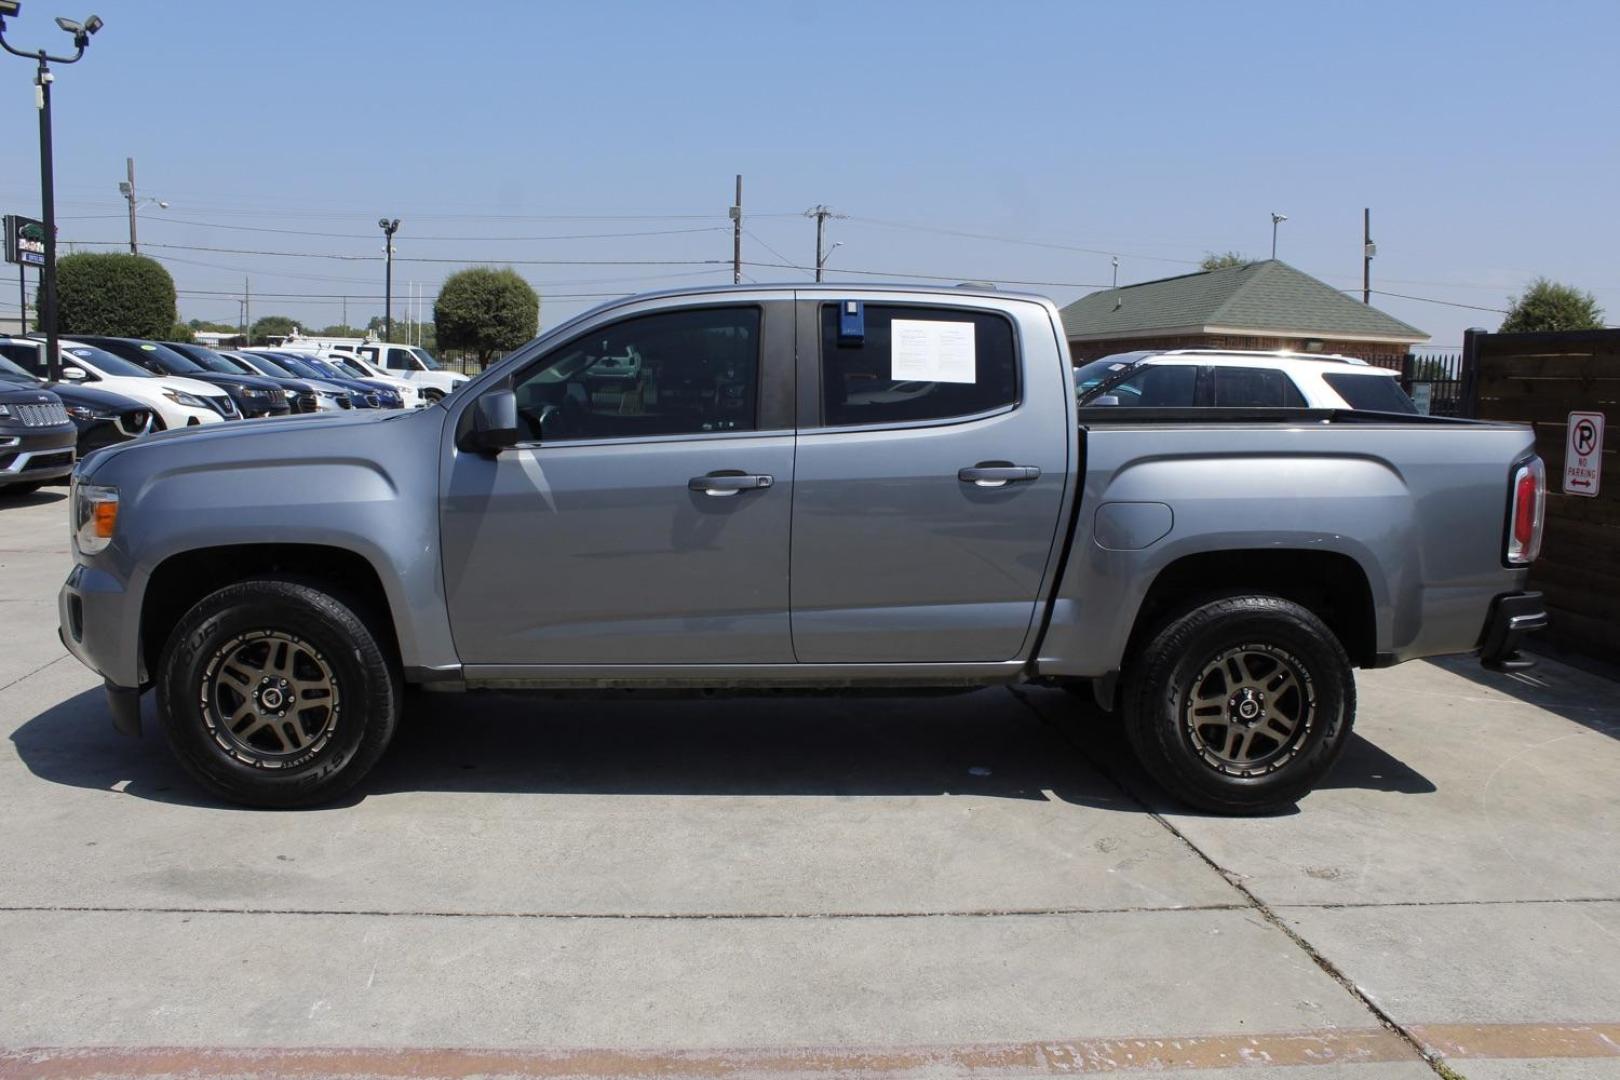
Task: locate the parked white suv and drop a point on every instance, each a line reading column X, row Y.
column 176, row 402
column 1211, row 378
column 410, row 362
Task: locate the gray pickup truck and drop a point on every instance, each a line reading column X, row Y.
column 817, row 487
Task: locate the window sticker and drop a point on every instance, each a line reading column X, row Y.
column 927, row 350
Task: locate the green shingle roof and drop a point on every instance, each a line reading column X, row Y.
column 1266, row 297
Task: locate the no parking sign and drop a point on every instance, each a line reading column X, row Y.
column 1583, row 456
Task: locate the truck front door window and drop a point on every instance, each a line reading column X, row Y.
column 682, row 372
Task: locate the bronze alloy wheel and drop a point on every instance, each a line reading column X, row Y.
column 270, row 699
column 1250, row 710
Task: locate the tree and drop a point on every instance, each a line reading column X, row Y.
column 278, row 325
column 213, row 327
column 181, row 332
column 339, row 330
column 117, row 294
column 1213, row 261
column 485, row 311
column 1549, row 305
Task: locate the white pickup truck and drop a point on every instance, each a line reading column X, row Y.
column 412, row 364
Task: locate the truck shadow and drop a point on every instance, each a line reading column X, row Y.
column 1034, row 745
column 1584, row 691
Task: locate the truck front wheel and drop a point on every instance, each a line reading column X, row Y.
column 1240, row 705
column 275, row 693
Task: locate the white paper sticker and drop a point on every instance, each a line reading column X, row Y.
column 930, row 351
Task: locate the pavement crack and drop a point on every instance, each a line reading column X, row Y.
column 614, row 916
column 1252, row 901
column 31, row 674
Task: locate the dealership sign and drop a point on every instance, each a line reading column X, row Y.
column 25, row 241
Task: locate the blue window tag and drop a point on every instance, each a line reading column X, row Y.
column 851, row 322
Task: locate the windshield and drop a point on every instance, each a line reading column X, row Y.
column 211, row 360
column 11, row 373
column 301, row 366
column 263, row 365
column 426, row 358
column 347, row 367
column 1089, row 375
column 105, row 362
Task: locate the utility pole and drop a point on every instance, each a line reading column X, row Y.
column 736, row 235
column 1276, row 220
column 389, row 228
column 129, row 194
column 247, row 310
column 1368, row 250
column 821, row 214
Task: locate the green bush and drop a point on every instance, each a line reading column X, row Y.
column 116, row 294
column 1550, row 305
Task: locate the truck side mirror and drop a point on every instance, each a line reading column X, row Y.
column 495, row 422
column 73, row 374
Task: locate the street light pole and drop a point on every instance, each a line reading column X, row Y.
column 389, row 228
column 1276, row 220
column 47, row 181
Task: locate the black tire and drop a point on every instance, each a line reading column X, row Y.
column 311, row 636
column 1188, row 708
column 432, row 396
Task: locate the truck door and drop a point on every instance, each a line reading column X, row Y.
column 932, row 467
column 645, row 518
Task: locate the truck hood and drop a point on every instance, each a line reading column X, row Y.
column 286, row 439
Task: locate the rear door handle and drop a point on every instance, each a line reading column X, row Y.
column 729, row 482
column 994, row 474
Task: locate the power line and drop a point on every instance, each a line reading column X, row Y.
column 166, row 219
column 897, row 274
column 415, row 258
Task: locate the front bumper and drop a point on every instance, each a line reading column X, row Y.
column 1512, row 616
column 29, row 457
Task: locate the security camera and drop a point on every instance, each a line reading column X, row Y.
column 92, row 24
column 9, row 7
column 69, row 25
column 382, row 223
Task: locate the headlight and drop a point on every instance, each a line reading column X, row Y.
column 249, row 392
column 95, row 517
column 180, row 397
column 5, row 410
column 85, row 412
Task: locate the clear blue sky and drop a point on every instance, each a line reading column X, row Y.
column 1482, row 134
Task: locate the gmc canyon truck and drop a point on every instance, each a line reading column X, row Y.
column 795, row 487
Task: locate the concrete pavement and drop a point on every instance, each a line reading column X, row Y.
column 944, row 886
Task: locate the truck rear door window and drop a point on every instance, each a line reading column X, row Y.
column 1371, row 393
column 859, row 384
column 680, row 372
column 1255, row 388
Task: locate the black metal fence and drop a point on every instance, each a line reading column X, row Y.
column 1433, row 378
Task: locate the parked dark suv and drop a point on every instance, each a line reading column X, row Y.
column 253, row 395
column 36, row 438
column 102, row 418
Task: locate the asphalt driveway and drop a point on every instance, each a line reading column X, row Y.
column 938, row 886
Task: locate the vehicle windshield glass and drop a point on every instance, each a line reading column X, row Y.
column 348, row 367
column 12, row 374
column 426, row 358
column 1089, row 375
column 1371, row 393
column 211, row 360
column 105, row 362
column 299, row 365
column 167, row 358
column 265, row 366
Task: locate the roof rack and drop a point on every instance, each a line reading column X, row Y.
column 1282, row 354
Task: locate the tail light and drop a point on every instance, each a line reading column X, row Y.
column 1527, row 513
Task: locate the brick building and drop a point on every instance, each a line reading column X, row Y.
column 1260, row 305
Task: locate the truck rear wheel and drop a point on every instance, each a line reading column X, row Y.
column 1240, row 705
column 274, row 693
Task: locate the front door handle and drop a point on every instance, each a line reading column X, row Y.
column 994, row 474
column 729, row 482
